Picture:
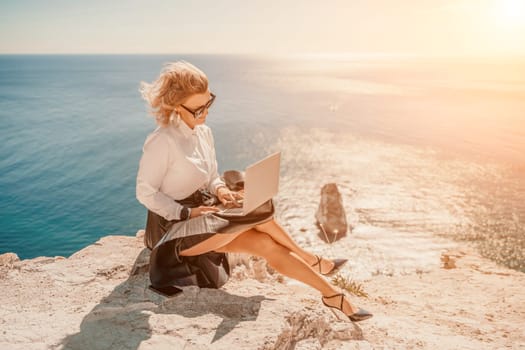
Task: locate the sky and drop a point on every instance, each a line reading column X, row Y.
column 413, row 27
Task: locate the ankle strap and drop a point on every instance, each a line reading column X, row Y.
column 335, row 295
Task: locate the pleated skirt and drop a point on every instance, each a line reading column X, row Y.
column 167, row 239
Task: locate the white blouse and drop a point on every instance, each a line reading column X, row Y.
column 176, row 161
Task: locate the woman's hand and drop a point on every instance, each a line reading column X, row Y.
column 230, row 198
column 198, row 211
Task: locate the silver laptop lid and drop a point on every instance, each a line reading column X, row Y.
column 261, row 181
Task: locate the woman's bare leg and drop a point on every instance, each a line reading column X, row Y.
column 279, row 234
column 282, row 260
column 271, row 228
column 209, row 244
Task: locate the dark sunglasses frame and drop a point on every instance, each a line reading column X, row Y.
column 200, row 110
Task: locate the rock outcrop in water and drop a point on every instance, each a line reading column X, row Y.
column 331, row 215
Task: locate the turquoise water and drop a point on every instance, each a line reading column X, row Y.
column 72, row 129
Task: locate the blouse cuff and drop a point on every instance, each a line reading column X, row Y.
column 215, row 184
column 177, row 214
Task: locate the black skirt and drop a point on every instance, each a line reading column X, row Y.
column 166, row 238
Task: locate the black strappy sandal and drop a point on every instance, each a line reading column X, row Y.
column 337, row 265
column 360, row 315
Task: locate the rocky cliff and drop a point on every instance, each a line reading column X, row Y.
column 98, row 299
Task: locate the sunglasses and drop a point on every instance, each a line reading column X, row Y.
column 199, row 112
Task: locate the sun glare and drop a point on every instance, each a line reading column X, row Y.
column 511, row 12
column 502, row 28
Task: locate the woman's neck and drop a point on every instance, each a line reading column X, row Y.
column 189, row 126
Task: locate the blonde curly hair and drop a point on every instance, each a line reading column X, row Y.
column 176, row 83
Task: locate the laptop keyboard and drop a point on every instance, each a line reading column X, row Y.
column 231, row 210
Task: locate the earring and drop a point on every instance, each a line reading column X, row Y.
column 173, row 120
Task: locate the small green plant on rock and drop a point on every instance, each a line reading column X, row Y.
column 349, row 285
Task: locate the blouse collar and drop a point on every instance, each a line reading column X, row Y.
column 186, row 131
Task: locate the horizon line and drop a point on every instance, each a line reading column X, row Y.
column 278, row 54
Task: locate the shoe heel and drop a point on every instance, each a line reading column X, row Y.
column 336, row 315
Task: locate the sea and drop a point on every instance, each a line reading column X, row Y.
column 425, row 151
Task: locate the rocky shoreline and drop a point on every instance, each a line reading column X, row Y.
column 98, row 299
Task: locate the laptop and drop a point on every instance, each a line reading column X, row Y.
column 261, row 183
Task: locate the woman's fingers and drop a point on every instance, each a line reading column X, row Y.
column 231, row 198
column 205, row 208
column 229, row 195
column 238, row 195
column 202, row 210
column 237, row 199
column 227, row 198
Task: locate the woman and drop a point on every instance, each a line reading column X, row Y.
column 178, row 172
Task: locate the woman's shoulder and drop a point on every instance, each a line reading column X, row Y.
column 159, row 136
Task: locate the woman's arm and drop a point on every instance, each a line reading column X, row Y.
column 215, row 179
column 153, row 166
